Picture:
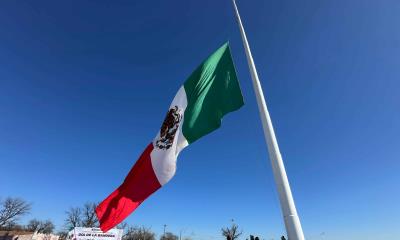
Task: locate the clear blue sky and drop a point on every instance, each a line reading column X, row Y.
column 84, row 87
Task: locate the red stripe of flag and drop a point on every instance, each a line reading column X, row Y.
column 140, row 183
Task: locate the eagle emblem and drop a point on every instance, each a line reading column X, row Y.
column 169, row 128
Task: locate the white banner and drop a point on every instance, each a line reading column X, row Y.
column 81, row 233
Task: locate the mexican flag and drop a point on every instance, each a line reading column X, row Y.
column 210, row 92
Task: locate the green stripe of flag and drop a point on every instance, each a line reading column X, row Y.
column 212, row 91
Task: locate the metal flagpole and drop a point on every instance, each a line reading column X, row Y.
column 291, row 219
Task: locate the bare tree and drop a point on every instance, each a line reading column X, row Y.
column 73, row 218
column 89, row 218
column 124, row 226
column 40, row 226
column 12, row 227
column 231, row 233
column 62, row 235
column 46, row 227
column 169, row 236
column 33, row 225
column 11, row 210
column 82, row 216
column 139, row 233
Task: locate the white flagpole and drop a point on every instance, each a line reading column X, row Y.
column 291, row 219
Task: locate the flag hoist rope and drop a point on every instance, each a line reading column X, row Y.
column 291, row 219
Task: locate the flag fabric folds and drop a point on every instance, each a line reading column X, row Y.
column 210, row 92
